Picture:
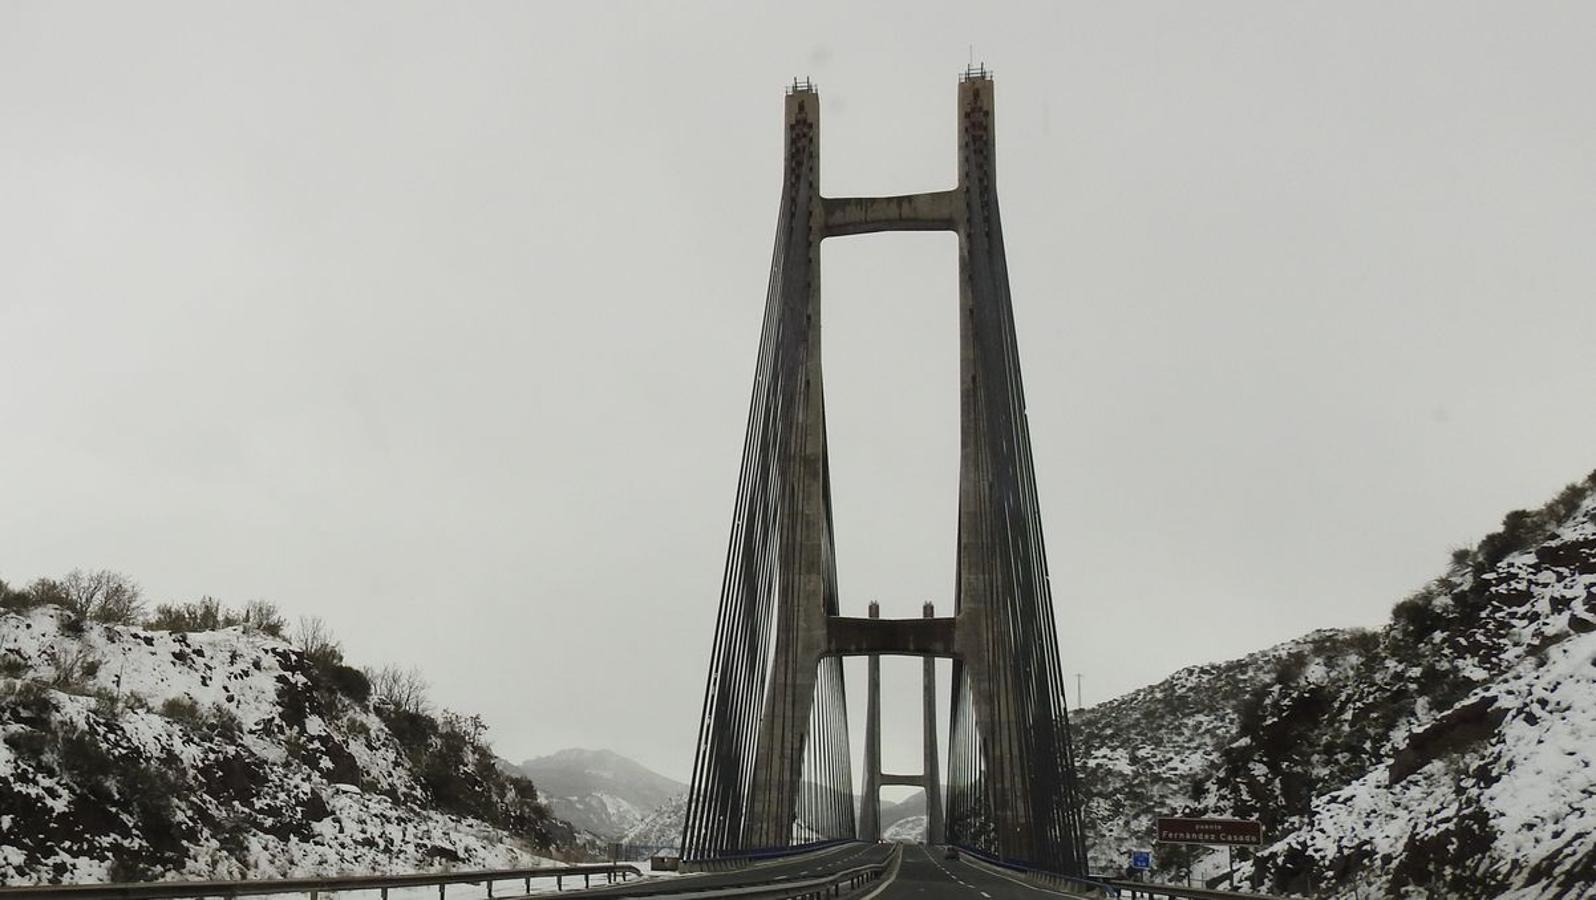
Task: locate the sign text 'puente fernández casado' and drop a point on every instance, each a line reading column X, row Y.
column 772, row 763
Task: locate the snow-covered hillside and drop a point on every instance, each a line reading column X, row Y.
column 1139, row 753
column 910, row 829
column 129, row 754
column 1450, row 754
column 1458, row 754
column 893, row 813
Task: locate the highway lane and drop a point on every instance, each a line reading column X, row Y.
column 809, row 865
column 925, row 875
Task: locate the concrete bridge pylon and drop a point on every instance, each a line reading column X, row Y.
column 772, row 763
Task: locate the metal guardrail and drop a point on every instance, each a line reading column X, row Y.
column 749, row 857
column 1154, row 890
column 749, row 880
column 1109, row 888
column 773, row 887
column 162, row 890
column 821, row 888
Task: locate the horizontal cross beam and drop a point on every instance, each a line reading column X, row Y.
column 934, row 211
column 848, row 636
column 904, row 780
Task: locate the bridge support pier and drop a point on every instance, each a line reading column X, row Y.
column 930, row 781
column 870, row 811
column 933, row 772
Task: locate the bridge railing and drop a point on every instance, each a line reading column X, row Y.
column 1136, row 890
column 161, row 890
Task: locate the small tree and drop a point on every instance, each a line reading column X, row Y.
column 47, row 591
column 104, row 596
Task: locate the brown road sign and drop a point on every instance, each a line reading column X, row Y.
column 1232, row 832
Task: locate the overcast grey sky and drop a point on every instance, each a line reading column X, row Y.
column 437, row 321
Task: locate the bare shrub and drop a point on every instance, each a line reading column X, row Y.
column 403, row 689
column 315, row 640
column 204, row 614
column 13, row 664
column 222, row 720
column 208, row 614
column 471, row 727
column 71, row 667
column 184, row 711
column 264, row 617
column 103, row 596
column 16, row 599
column 47, row 591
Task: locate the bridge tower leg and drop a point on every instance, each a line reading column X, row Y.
column 870, row 803
column 933, row 772
column 806, row 582
column 1016, row 783
column 979, row 604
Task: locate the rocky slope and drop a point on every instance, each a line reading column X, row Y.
column 129, row 754
column 1455, row 755
column 600, row 790
column 1139, row 754
column 1450, row 754
column 661, row 828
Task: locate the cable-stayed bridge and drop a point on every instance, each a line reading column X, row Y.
column 772, row 810
column 772, row 766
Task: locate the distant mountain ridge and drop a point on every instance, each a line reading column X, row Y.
column 600, row 791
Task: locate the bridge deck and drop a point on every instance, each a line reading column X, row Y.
column 797, row 868
column 924, row 875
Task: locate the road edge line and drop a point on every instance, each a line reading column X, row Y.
column 994, row 870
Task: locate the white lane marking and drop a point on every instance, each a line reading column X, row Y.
column 945, row 871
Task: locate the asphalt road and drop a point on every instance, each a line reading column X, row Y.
column 809, row 865
column 925, row 875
